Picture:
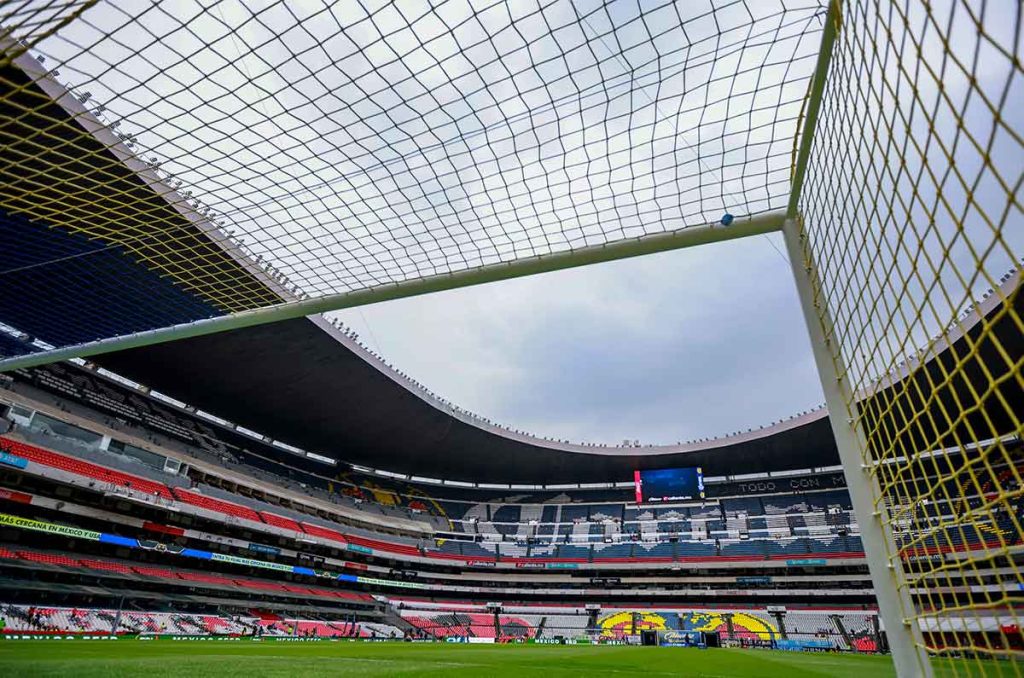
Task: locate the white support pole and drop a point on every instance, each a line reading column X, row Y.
column 650, row 244
column 894, row 604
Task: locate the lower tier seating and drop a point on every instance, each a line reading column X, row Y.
column 39, row 619
column 210, row 580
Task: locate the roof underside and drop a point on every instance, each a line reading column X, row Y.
column 295, row 383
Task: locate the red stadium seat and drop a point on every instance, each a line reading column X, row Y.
column 205, row 578
column 107, row 565
column 154, row 572
column 216, row 505
column 280, row 521
column 323, row 593
column 48, row 558
column 383, row 545
column 163, row 573
column 325, row 533
column 261, row 585
column 348, row 595
column 83, row 468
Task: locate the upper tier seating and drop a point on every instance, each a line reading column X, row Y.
column 48, row 558
column 280, row 521
column 83, row 468
column 505, row 520
column 748, row 505
column 476, row 551
column 695, row 549
column 504, row 513
column 573, row 551
column 323, row 532
column 622, row 550
column 382, row 546
column 653, row 550
column 572, row 512
column 743, row 548
column 574, row 537
column 560, row 549
column 106, row 565
column 216, row 505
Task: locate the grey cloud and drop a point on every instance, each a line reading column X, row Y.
column 676, row 346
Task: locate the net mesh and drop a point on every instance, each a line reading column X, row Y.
column 912, row 215
column 253, row 154
column 346, row 146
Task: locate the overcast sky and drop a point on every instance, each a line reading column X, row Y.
column 664, row 348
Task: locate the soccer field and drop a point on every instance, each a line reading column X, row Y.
column 199, row 659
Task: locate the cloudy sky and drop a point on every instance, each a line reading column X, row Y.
column 664, row 348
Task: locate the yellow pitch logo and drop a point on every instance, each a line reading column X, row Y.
column 742, row 624
column 621, row 623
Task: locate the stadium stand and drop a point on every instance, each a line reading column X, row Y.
column 775, row 540
column 593, row 534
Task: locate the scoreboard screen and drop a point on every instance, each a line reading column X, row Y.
column 669, row 484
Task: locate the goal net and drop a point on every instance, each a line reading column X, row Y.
column 912, row 218
column 187, row 161
column 255, row 154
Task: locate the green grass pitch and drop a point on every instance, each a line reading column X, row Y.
column 199, row 659
column 196, row 659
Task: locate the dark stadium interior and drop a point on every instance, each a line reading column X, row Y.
column 311, row 391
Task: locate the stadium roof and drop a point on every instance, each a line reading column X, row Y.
column 107, row 242
column 304, row 382
column 300, row 381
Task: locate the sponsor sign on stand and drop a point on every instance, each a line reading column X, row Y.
column 9, row 459
column 39, row 526
column 605, row 581
column 806, row 561
column 261, row 548
column 358, row 549
column 800, row 645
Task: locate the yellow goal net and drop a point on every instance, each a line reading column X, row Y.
column 911, row 227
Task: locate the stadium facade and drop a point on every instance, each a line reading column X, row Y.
column 168, row 488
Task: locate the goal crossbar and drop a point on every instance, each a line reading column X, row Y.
column 584, row 256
